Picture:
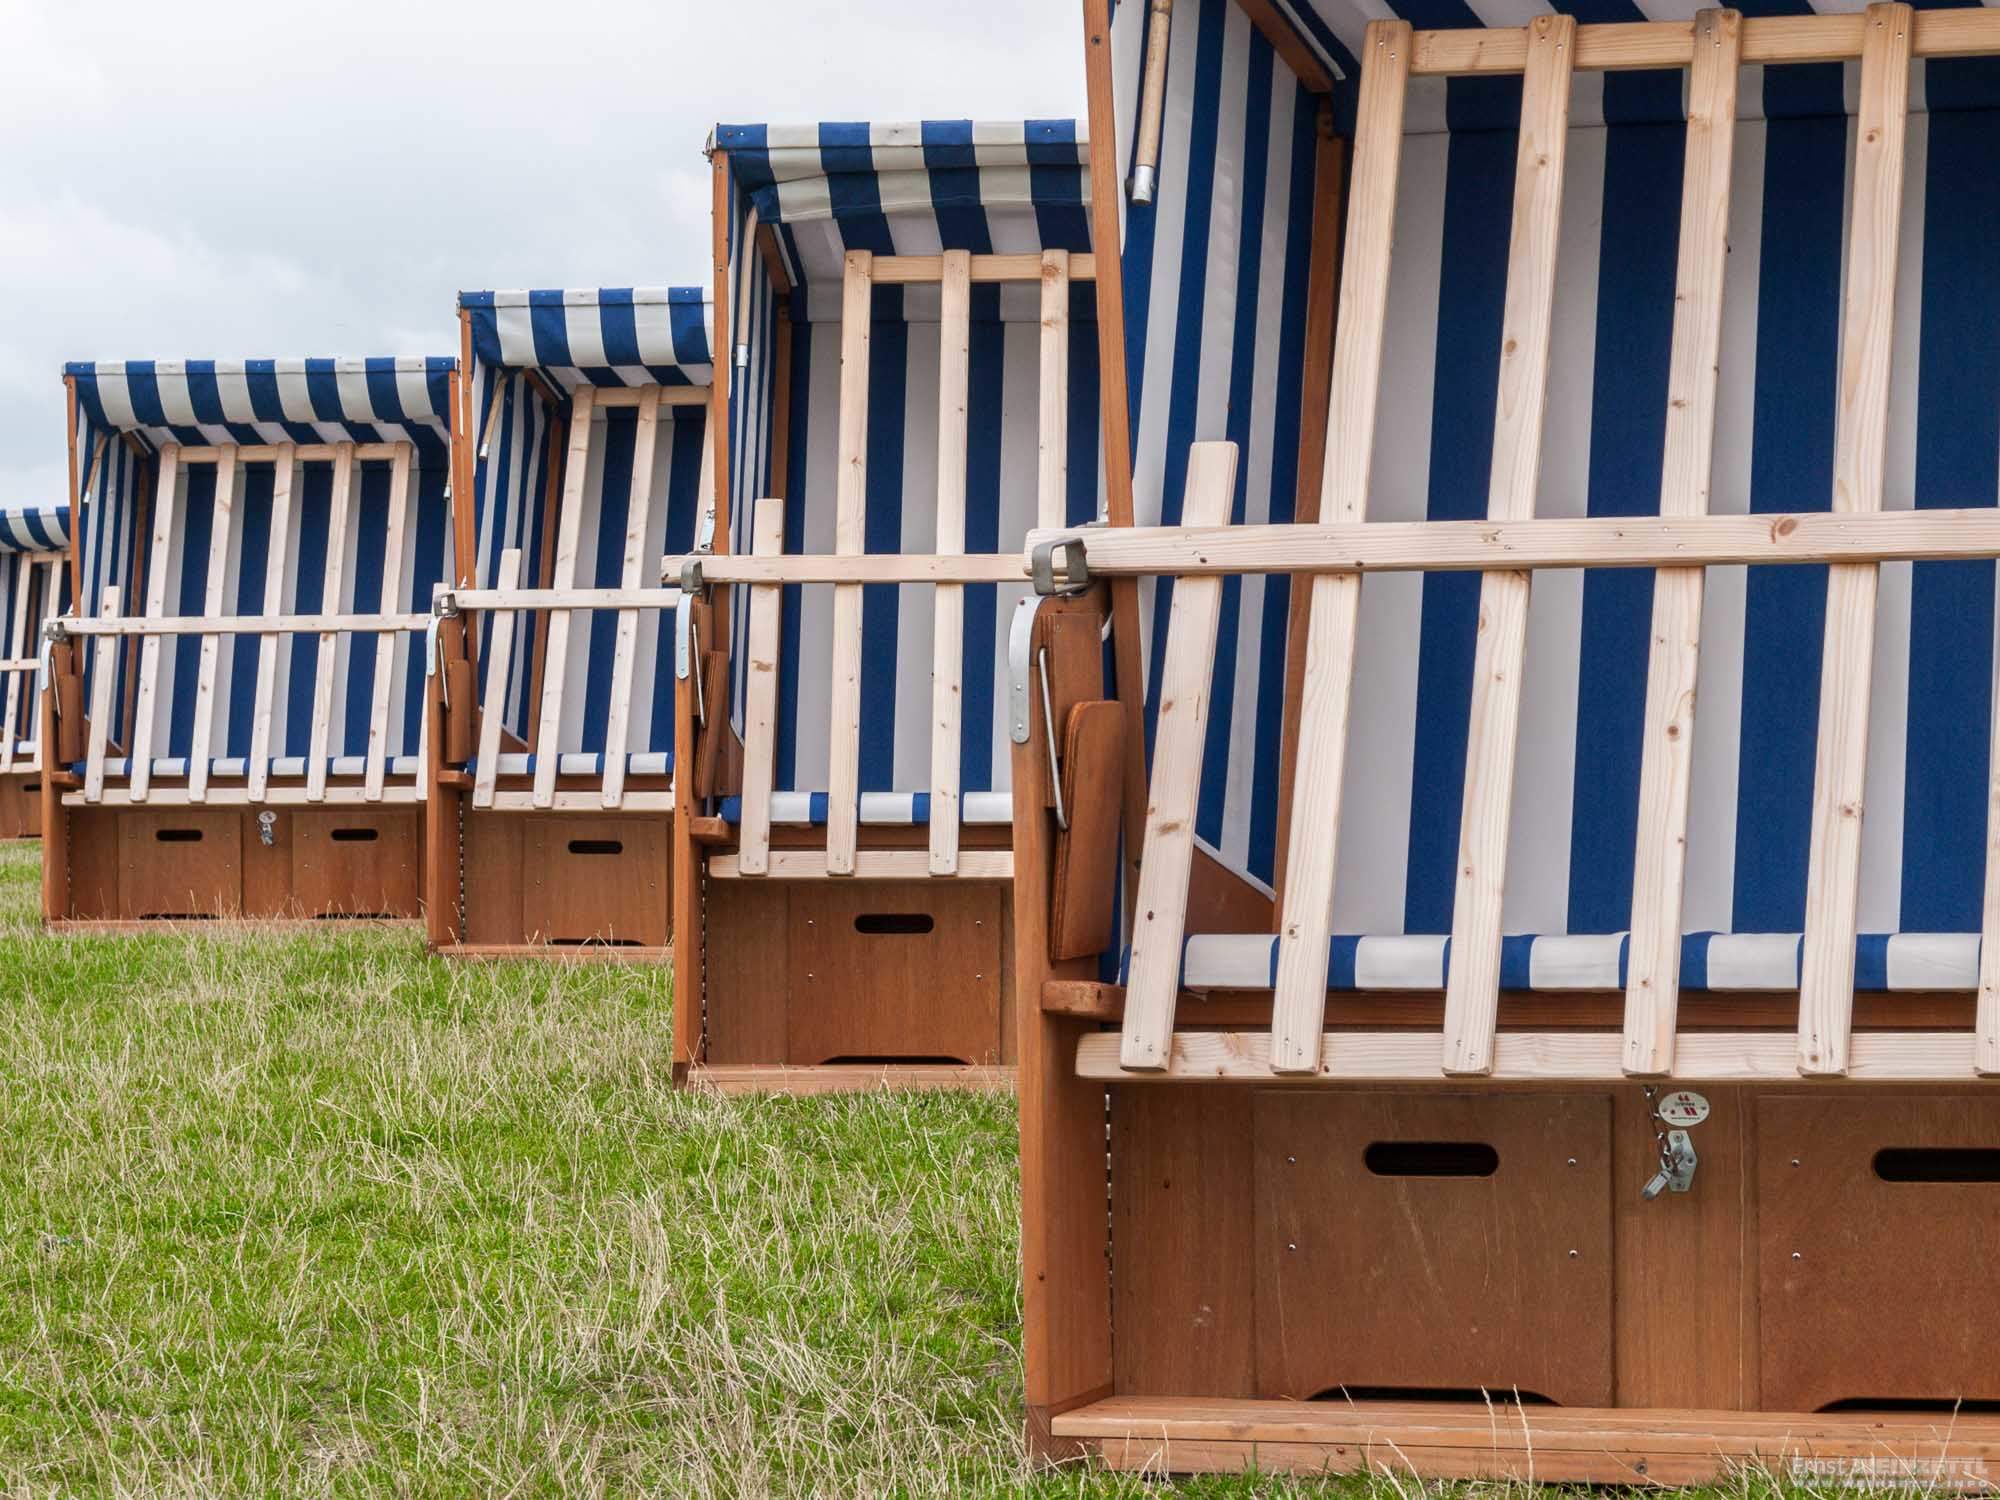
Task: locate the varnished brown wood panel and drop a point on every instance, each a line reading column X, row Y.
column 179, row 862
column 1182, row 1261
column 1500, row 1281
column 859, row 993
column 353, row 862
column 20, row 807
column 1682, row 1323
column 93, row 860
column 267, row 868
column 596, row 879
column 1874, row 1290
column 1083, row 911
column 492, row 869
column 748, row 955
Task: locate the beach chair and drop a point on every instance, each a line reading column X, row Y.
column 1615, row 1093
column 241, row 687
column 34, row 589
column 584, row 440
column 912, row 387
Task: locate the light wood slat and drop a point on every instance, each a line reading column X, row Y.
column 1653, row 970
column 305, row 453
column 1052, row 481
column 203, row 735
column 499, row 668
column 104, row 657
column 382, row 675
column 867, row 567
column 948, row 628
column 1306, row 926
column 869, row 864
column 17, row 641
column 638, row 511
column 315, row 624
column 908, row 270
column 1179, row 737
column 1987, row 1021
column 285, row 467
column 1868, row 315
column 590, row 801
column 1573, row 542
column 1531, row 1057
column 488, row 600
column 605, row 397
column 401, row 794
column 843, row 780
column 338, row 511
column 1472, row 989
column 760, row 695
column 166, row 499
column 555, row 659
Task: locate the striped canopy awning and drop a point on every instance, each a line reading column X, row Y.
column 210, row 402
column 991, row 188
column 34, row 528
column 606, row 336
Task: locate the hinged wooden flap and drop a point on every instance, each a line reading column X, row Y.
column 1082, row 919
column 459, row 695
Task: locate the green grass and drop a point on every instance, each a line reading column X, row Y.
column 309, row 1214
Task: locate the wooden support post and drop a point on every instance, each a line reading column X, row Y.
column 548, row 738
column 1653, row 968
column 104, row 663
column 382, row 675
column 1306, row 920
column 1472, row 989
column 1179, row 739
column 1052, row 489
column 274, row 602
column 338, row 511
column 843, row 801
column 760, row 696
column 499, row 664
column 948, row 632
column 139, row 762
column 1986, row 1053
column 211, row 645
column 1860, row 451
column 638, row 509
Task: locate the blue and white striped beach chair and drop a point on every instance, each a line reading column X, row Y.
column 34, row 589
column 260, row 544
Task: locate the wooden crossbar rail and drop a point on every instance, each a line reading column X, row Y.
column 606, row 397
column 907, row 270
column 267, row 625
column 1853, row 538
column 1971, row 32
column 511, row 597
column 1573, row 542
column 863, row 567
column 303, row 453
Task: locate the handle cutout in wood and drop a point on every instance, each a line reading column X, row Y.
column 895, row 923
column 1431, row 1159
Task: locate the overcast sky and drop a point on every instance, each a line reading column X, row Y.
column 227, row 180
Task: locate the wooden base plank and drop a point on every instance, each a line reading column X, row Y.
column 843, row 1078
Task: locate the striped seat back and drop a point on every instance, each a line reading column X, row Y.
column 530, row 352
column 1570, row 860
column 34, row 589
column 129, row 412
column 804, row 197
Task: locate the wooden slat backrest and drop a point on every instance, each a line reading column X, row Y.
column 274, row 599
column 760, row 707
column 499, row 667
column 1868, row 315
column 166, row 499
column 382, row 674
column 104, row 664
column 555, row 668
column 843, row 775
column 339, row 511
column 1179, row 736
column 1306, row 916
column 948, row 631
column 1472, row 987
column 226, row 477
column 1652, row 989
column 638, row 512
column 1052, row 488
column 18, row 645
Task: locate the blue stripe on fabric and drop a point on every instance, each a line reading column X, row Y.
column 197, row 526
column 1638, row 252
column 1517, row 969
column 614, row 507
column 1478, row 211
column 951, row 162
column 786, row 759
column 852, row 189
column 369, row 526
column 385, row 396
column 687, row 326
column 548, row 328
column 1259, row 66
column 1262, row 852
column 1184, row 382
column 1798, row 322
column 684, row 502
column 142, row 390
column 258, row 482
column 888, row 378
column 618, row 326
column 1871, row 961
column 314, row 501
column 1055, row 185
column 1080, row 503
column 428, row 568
column 1958, row 464
column 986, row 395
column 204, row 393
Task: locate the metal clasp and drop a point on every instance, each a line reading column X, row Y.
column 1075, row 566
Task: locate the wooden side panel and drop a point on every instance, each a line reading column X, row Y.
column 494, row 869
column 596, row 880
column 93, row 864
column 352, row 862
column 1083, row 916
column 895, row 969
column 179, row 862
column 748, row 952
column 1875, row 1290
column 1182, row 1257
column 1377, row 1272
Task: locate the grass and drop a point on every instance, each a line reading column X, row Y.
column 309, row 1214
